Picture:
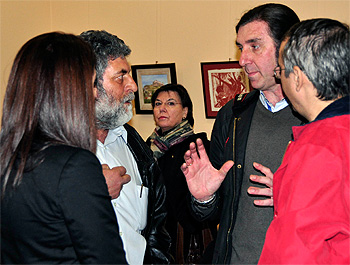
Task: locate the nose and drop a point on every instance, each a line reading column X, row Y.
column 162, row 108
column 245, row 58
column 130, row 84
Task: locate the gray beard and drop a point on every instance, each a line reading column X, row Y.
column 111, row 113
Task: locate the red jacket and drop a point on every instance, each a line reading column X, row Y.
column 312, row 195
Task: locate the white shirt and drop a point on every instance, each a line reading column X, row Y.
column 279, row 105
column 130, row 209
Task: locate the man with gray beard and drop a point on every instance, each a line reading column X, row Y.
column 138, row 197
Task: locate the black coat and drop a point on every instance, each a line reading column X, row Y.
column 177, row 194
column 61, row 213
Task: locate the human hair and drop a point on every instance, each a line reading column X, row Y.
column 320, row 48
column 184, row 96
column 49, row 100
column 107, row 47
column 279, row 18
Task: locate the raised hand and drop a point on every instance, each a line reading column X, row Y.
column 115, row 179
column 203, row 180
column 267, row 180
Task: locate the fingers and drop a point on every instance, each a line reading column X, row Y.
column 187, row 155
column 226, row 167
column 265, row 170
column 191, row 156
column 115, row 179
column 262, row 180
column 105, row 166
column 267, row 202
column 260, row 191
column 125, row 179
column 201, row 150
column 193, row 150
column 184, row 168
column 121, row 170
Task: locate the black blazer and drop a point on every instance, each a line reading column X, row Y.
column 61, row 213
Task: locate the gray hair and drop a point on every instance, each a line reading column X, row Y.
column 320, row 48
column 106, row 47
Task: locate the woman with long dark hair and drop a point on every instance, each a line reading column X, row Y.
column 55, row 206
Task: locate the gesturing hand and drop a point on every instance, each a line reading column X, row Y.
column 267, row 180
column 115, row 179
column 202, row 178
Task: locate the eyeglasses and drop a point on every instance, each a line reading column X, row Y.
column 277, row 71
column 168, row 104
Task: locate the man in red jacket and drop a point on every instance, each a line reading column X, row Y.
column 311, row 187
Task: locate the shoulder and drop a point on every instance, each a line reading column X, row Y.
column 237, row 104
column 63, row 165
column 201, row 135
column 59, row 158
column 182, row 147
column 65, row 152
column 131, row 130
column 138, row 145
column 324, row 132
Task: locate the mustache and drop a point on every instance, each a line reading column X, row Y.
column 248, row 69
column 128, row 98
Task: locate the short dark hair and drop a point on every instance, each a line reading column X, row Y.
column 279, row 18
column 184, row 96
column 106, row 47
column 320, row 48
column 49, row 98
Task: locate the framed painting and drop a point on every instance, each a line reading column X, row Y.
column 148, row 79
column 222, row 81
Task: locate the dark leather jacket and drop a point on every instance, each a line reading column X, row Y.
column 158, row 239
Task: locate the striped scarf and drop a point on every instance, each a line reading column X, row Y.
column 161, row 143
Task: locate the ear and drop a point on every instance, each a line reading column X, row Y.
column 298, row 78
column 184, row 113
column 94, row 90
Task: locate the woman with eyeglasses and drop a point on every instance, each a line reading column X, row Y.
column 173, row 115
column 55, row 206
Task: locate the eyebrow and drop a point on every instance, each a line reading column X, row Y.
column 249, row 41
column 117, row 74
column 167, row 99
column 123, row 71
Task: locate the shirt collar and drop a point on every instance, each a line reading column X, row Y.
column 279, row 105
column 115, row 133
column 336, row 108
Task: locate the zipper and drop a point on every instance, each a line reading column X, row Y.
column 234, row 184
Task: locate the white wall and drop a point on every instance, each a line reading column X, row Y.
column 184, row 32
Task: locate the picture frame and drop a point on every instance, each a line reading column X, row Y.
column 150, row 77
column 222, row 81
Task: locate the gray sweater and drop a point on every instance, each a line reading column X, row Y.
column 268, row 138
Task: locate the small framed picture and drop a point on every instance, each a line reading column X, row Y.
column 149, row 78
column 222, row 81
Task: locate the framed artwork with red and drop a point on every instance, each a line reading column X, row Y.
column 222, row 81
